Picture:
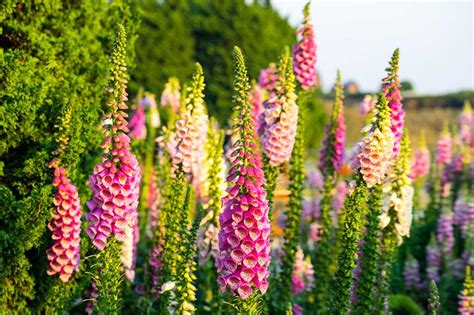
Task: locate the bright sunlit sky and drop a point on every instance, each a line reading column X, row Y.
column 358, row 37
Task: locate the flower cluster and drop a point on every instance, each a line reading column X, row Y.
column 444, row 148
column 373, row 153
column 466, row 124
column 463, row 215
column 339, row 197
column 421, row 160
column 149, row 102
column 92, row 295
column 391, row 89
column 267, row 79
column 244, row 245
column 279, row 120
column 212, row 190
column 411, row 274
column 332, row 152
column 257, row 97
column 399, row 193
column 137, row 124
column 171, row 95
column 433, row 260
column 65, row 226
column 304, row 54
column 186, row 145
column 129, row 249
column 115, row 182
column 303, row 273
column 367, row 104
column 445, row 232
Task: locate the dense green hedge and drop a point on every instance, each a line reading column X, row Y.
column 53, row 56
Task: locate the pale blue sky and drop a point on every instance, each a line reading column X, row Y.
column 358, row 37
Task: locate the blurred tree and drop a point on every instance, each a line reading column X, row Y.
column 176, row 33
column 165, row 46
column 407, row 86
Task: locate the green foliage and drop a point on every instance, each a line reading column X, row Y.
column 171, row 210
column 176, row 33
column 108, row 277
column 315, row 119
column 323, row 255
column 403, row 305
column 46, row 67
column 185, row 290
column 165, row 46
column 282, row 293
column 406, row 86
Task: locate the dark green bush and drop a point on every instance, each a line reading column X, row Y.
column 53, row 55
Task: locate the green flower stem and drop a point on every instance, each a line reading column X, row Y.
column 389, row 246
column 293, row 218
column 108, row 276
column 186, row 267
column 173, row 201
column 323, row 256
column 271, row 176
column 369, row 278
column 433, row 301
column 340, row 292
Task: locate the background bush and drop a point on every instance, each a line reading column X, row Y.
column 53, row 56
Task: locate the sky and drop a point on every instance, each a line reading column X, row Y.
column 358, row 37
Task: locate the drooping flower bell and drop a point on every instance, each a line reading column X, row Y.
column 332, row 152
column 64, row 255
column 171, row 95
column 115, row 182
column 244, row 235
column 186, row 144
column 280, row 118
column 391, row 89
column 373, row 153
column 137, row 124
column 421, row 160
column 304, row 54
